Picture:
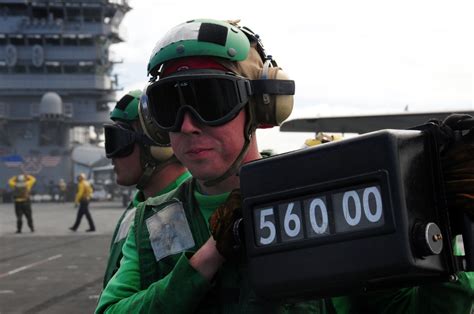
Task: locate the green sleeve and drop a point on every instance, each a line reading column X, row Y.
column 178, row 292
column 115, row 252
column 453, row 298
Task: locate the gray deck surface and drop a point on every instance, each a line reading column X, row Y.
column 54, row 270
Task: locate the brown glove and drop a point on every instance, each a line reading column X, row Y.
column 225, row 225
column 458, row 172
column 457, row 161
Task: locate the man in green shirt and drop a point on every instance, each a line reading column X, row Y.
column 137, row 161
column 212, row 86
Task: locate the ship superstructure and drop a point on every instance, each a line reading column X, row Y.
column 56, row 82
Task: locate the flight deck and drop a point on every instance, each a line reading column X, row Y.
column 54, row 270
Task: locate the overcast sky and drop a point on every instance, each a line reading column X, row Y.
column 347, row 57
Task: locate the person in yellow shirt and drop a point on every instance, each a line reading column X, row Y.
column 83, row 196
column 21, row 185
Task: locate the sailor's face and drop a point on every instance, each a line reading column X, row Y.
column 208, row 151
column 128, row 169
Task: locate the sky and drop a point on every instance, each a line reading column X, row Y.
column 346, row 57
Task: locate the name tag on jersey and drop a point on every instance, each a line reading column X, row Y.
column 169, row 231
column 125, row 225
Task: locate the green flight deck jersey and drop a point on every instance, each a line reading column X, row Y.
column 123, row 227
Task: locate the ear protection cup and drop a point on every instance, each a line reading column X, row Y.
column 149, row 125
column 272, row 110
column 283, row 103
column 161, row 153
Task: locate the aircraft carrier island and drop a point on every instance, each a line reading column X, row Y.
column 56, row 84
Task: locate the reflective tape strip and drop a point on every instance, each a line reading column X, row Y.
column 125, row 225
column 169, row 231
column 188, row 31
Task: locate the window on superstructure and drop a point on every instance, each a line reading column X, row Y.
column 87, row 41
column 53, row 69
column 58, row 13
column 39, row 12
column 69, row 41
column 73, row 14
column 35, row 41
column 17, row 41
column 92, row 15
column 52, row 41
column 70, row 69
column 13, row 10
column 87, row 69
column 34, row 69
column 19, row 69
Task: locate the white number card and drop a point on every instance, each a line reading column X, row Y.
column 322, row 215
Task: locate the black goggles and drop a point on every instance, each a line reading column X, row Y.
column 212, row 97
column 120, row 139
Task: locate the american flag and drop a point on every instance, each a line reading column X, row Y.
column 50, row 161
column 4, row 151
column 12, row 161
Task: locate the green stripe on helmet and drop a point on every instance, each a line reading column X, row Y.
column 127, row 112
column 203, row 37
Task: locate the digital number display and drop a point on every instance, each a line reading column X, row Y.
column 319, row 215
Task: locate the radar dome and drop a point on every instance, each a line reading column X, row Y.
column 51, row 105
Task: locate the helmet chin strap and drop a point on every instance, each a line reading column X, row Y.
column 234, row 168
column 148, row 171
column 150, row 166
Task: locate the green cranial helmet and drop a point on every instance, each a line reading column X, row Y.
column 126, row 109
column 201, row 37
column 153, row 158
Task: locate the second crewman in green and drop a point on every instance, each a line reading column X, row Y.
column 137, row 161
